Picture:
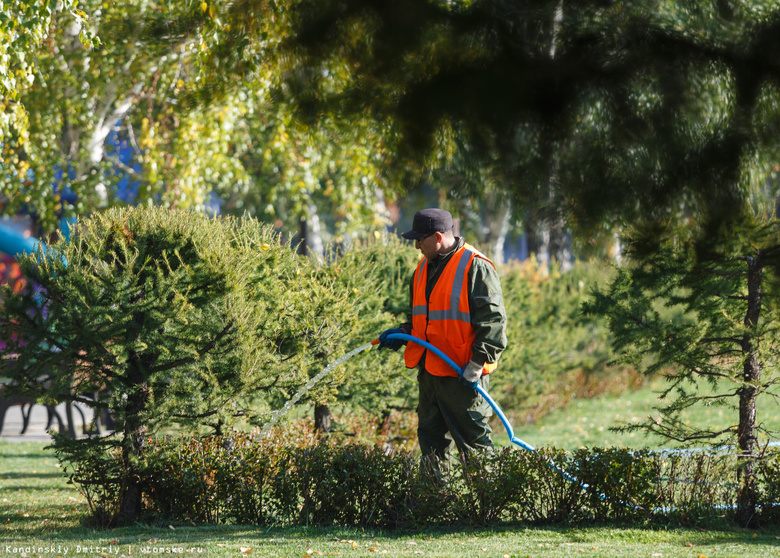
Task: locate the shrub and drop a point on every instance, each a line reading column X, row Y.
column 769, row 479
column 297, row 479
column 555, row 352
column 175, row 319
column 621, row 483
column 495, row 488
column 695, row 487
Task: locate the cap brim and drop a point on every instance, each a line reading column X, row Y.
column 412, row 235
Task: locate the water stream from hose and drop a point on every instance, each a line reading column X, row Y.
column 277, row 415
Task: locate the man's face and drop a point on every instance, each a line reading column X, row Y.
column 429, row 245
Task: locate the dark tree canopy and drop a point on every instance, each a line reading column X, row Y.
column 604, row 110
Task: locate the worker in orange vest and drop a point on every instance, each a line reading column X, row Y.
column 457, row 307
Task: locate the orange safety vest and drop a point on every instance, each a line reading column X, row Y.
column 444, row 321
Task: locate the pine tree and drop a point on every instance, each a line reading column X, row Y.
column 171, row 319
column 707, row 322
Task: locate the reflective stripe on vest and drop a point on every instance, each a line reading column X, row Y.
column 444, row 320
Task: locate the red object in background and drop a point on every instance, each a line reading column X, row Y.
column 10, row 273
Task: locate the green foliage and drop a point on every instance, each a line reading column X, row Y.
column 554, row 351
column 150, row 91
column 699, row 321
column 168, row 318
column 726, row 340
column 378, row 381
column 644, row 110
column 621, row 484
column 23, row 28
column 691, row 485
column 284, row 479
column 769, row 477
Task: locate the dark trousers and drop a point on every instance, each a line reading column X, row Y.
column 450, row 412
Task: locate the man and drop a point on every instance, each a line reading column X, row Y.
column 458, row 308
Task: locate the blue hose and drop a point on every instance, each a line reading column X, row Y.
column 512, row 438
column 499, row 413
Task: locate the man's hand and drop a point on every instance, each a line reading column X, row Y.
column 392, row 344
column 472, row 372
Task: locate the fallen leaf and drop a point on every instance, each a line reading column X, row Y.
column 412, row 542
column 688, row 544
column 245, row 550
column 656, row 554
column 171, row 527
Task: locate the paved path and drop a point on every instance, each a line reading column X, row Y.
column 35, row 429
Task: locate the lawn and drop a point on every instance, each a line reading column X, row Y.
column 41, row 515
column 587, row 422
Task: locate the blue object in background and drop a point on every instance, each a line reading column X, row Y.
column 13, row 242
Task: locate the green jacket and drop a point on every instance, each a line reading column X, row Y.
column 486, row 304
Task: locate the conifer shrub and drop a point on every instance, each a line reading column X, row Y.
column 378, row 382
column 555, row 353
column 167, row 319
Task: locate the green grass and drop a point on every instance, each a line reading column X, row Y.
column 41, row 515
column 587, row 422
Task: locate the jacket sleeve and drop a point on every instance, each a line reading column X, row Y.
column 407, row 326
column 488, row 315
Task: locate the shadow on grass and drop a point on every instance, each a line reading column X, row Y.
column 36, row 455
column 30, row 475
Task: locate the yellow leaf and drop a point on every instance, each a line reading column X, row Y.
column 266, row 247
column 204, row 7
column 212, row 11
column 245, row 550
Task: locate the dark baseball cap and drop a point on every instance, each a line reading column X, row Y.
column 429, row 221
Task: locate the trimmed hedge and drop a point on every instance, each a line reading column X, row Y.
column 288, row 480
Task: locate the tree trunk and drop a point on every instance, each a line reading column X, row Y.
column 555, row 241
column 133, row 444
column 322, row 418
column 747, row 497
column 496, row 217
